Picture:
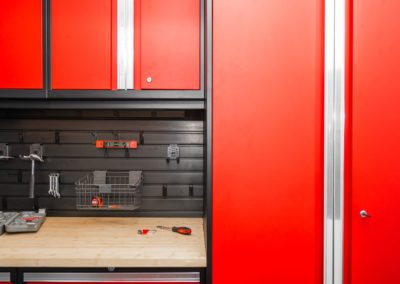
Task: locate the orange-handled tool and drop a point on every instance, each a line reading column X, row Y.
column 180, row 230
column 116, row 144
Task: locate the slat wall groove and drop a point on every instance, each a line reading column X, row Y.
column 69, row 149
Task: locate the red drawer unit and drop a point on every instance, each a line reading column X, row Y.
column 167, row 44
column 83, row 44
column 21, row 44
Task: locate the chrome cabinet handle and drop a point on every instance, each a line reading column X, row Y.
column 364, row 214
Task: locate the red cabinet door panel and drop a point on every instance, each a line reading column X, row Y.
column 82, row 43
column 268, row 90
column 169, row 50
column 373, row 165
column 21, row 53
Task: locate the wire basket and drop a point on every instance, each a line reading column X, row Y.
column 102, row 190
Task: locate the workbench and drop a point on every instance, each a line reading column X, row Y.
column 105, row 242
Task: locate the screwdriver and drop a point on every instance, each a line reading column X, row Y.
column 180, row 230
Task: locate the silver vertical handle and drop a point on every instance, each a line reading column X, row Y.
column 32, row 181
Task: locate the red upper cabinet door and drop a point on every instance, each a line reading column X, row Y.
column 82, row 43
column 169, row 47
column 21, row 53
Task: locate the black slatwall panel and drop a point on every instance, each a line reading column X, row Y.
column 68, row 139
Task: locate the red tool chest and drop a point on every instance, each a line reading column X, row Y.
column 82, row 54
column 167, row 48
column 21, row 53
column 268, row 92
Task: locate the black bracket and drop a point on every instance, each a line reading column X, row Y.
column 94, row 137
column 191, row 191
column 141, row 138
column 164, row 191
column 57, row 137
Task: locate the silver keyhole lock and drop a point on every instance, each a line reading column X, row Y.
column 149, row 80
column 364, row 214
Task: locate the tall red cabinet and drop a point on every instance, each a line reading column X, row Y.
column 372, row 142
column 268, row 74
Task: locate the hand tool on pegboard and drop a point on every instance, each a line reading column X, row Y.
column 116, row 144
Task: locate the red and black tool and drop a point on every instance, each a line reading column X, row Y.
column 180, row 230
column 116, row 144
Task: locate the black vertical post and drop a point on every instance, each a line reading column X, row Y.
column 47, row 45
column 208, row 131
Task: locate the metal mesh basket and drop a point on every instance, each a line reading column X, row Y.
column 102, row 190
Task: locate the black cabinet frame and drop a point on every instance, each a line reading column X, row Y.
column 48, row 94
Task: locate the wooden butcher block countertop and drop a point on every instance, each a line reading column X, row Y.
column 105, row 242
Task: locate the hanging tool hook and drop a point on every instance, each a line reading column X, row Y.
column 36, row 152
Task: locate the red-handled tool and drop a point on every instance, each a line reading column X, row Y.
column 180, row 230
column 31, row 218
column 116, row 144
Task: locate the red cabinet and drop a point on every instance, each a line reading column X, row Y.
column 21, row 52
column 268, row 92
column 83, row 44
column 373, row 139
column 167, row 49
column 86, row 49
